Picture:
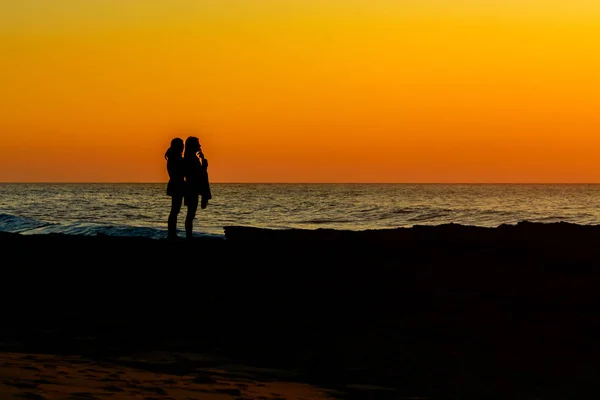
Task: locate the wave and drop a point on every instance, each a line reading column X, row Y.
column 428, row 216
column 28, row 226
column 15, row 224
column 321, row 221
column 552, row 218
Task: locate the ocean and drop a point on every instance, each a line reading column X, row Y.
column 141, row 209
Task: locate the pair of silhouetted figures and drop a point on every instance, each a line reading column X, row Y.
column 188, row 182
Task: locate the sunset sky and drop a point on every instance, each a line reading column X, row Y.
column 301, row 90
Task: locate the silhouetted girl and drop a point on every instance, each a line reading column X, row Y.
column 196, row 182
column 176, row 185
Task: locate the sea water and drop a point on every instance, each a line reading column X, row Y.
column 141, row 209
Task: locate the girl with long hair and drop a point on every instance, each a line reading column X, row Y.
column 196, row 182
column 176, row 184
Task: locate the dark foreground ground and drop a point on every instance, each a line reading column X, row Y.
column 446, row 312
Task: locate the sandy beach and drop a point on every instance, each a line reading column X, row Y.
column 425, row 312
column 148, row 376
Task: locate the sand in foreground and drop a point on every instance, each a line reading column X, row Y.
column 152, row 376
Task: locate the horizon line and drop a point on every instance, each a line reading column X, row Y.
column 304, row 183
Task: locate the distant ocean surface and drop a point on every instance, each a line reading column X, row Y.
column 141, row 209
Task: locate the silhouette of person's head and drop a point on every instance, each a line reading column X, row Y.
column 192, row 146
column 176, row 148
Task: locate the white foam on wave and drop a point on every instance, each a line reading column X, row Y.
column 29, row 226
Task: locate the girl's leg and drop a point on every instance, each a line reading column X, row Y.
column 175, row 209
column 192, row 207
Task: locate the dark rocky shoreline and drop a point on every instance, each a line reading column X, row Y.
column 438, row 312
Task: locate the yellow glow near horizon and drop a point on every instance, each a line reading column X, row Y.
column 311, row 91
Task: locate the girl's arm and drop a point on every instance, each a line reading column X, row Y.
column 203, row 160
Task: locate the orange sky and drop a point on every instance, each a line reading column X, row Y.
column 301, row 91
